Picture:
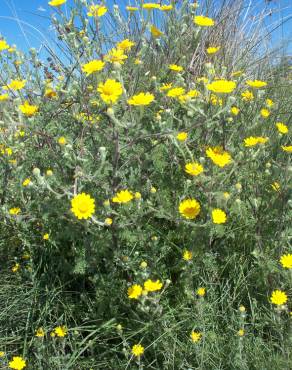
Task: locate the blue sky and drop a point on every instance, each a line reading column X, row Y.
column 26, row 22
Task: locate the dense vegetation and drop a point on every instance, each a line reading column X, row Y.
column 145, row 213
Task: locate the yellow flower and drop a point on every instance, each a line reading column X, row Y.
column 214, row 100
column 175, row 92
column 150, row 6
column 189, row 208
column 201, row 20
column 269, row 102
column 138, row 61
column 3, row 45
column 8, row 151
column 201, row 292
column 123, row 196
column 141, row 99
column 96, row 11
column 125, row 45
column 4, row 97
column 49, row 173
column 83, row 206
column 202, row 79
column 26, row 182
column 110, row 91
column 194, row 168
column 131, row 8
column 195, row 336
column 256, row 83
column 286, row 261
column 182, row 136
column 61, row 331
column 17, row 84
column 282, row 128
column 236, row 73
column 265, row 113
column 28, row 110
column 166, row 8
column 218, row 156
column 57, row 2
column 14, row 211
column 137, row 350
column 241, row 332
column 155, row 32
column 252, row 140
column 276, row 186
column 15, row 268
column 193, row 93
column 226, row 195
column 278, row 297
column 153, row 190
column 213, row 49
column 108, row 221
column 247, row 95
column 287, row 148
column 50, row 93
column 175, row 67
column 40, row 333
column 93, row 66
column 26, row 256
column 235, row 111
column 218, row 216
column 2, row 354
column 222, row 86
column 46, row 236
column 138, row 195
column 17, row 363
column 135, row 291
column 152, row 286
column 62, row 141
column 116, row 56
column 187, row 255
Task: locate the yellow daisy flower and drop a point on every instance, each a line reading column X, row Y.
column 219, row 216
column 278, row 297
column 189, row 208
column 202, row 21
column 137, row 350
column 194, row 168
column 222, row 86
column 123, row 196
column 93, row 66
column 141, row 99
column 83, row 206
column 57, row 2
column 286, row 261
column 195, row 336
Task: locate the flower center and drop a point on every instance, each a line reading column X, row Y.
column 83, row 207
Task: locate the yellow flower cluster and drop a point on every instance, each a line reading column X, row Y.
column 136, row 290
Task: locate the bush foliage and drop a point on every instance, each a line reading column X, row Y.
column 145, row 212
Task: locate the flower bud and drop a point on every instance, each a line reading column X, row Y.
column 143, row 265
column 238, row 186
column 117, row 66
column 36, row 171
